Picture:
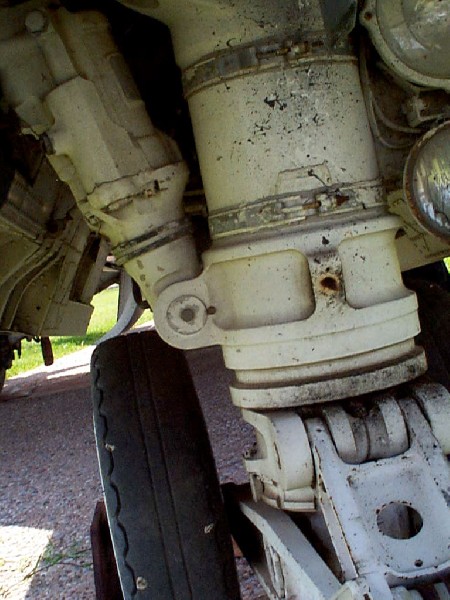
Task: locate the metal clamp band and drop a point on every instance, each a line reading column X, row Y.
column 153, row 239
column 245, row 60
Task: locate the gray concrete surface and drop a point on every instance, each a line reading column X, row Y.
column 49, row 478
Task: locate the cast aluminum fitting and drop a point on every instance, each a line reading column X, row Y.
column 310, row 316
column 302, row 286
column 378, row 479
column 127, row 177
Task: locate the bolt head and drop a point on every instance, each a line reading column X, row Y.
column 187, row 315
column 36, row 22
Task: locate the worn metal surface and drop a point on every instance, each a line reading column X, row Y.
column 320, row 306
column 380, row 433
column 128, row 312
column 389, row 516
column 51, row 263
column 249, row 60
column 339, row 17
column 302, row 284
column 434, row 400
column 286, row 563
column 127, row 177
column 285, row 198
column 296, row 210
column 381, row 483
column 199, row 30
column 279, row 476
column 43, row 244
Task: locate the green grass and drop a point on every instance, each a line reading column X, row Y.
column 103, row 318
column 447, row 262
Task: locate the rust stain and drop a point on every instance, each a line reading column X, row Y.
column 329, row 283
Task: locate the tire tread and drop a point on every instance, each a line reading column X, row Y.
column 160, row 507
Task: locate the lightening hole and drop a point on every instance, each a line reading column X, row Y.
column 399, row 521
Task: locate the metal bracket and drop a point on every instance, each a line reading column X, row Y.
column 279, row 476
column 284, row 560
column 381, row 482
column 388, row 516
column 339, row 17
column 128, row 311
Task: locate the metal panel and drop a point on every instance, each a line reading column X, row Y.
column 339, row 17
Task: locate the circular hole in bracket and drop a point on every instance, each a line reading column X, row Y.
column 399, row 521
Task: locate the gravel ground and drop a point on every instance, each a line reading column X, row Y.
column 50, row 483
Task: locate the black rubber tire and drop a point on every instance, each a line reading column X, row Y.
column 2, row 379
column 163, row 499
